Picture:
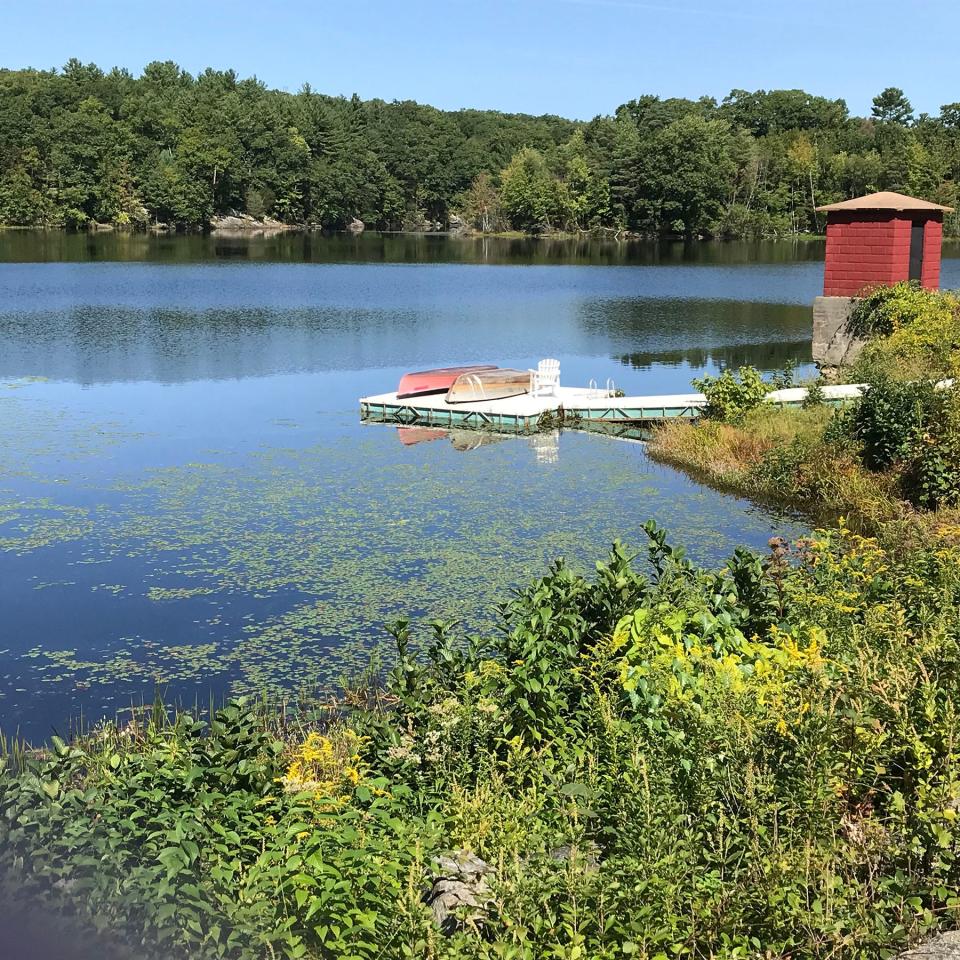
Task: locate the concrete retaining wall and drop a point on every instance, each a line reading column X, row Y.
column 833, row 344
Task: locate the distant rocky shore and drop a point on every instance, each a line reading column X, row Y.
column 237, row 224
column 243, row 223
column 247, row 225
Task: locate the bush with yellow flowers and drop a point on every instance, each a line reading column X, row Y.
column 325, row 763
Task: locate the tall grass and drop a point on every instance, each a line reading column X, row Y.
column 779, row 456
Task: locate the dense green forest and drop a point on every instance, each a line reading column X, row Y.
column 81, row 146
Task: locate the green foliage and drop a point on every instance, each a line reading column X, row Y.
column 783, row 379
column 182, row 835
column 80, row 144
column 480, row 205
column 814, row 396
column 531, row 197
column 680, row 177
column 21, row 203
column 888, row 309
column 730, row 396
column 911, row 333
column 891, row 418
column 891, row 106
column 905, row 419
column 732, row 758
column 932, row 478
column 777, row 111
column 758, row 760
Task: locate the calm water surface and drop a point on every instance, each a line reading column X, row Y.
column 188, row 497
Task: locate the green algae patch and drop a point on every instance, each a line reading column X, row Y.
column 177, row 593
column 29, row 525
column 276, row 569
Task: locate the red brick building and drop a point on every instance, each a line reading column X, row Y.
column 881, row 239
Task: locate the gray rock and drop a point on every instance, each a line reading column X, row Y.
column 944, row 947
column 233, row 222
column 459, row 895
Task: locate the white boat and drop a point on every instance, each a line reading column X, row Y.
column 497, row 384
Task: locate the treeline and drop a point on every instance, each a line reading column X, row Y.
column 81, row 146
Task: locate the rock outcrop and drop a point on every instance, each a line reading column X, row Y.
column 944, row 947
column 459, row 895
column 243, row 223
column 459, row 226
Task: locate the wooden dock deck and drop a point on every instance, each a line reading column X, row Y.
column 570, row 406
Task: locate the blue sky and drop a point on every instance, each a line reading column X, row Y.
column 576, row 58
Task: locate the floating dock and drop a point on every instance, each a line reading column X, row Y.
column 570, row 406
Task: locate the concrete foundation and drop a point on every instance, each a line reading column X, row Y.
column 833, row 343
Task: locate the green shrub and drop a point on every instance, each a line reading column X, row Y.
column 781, row 467
column 932, row 479
column 783, row 379
column 814, row 396
column 730, row 396
column 911, row 334
column 182, row 836
column 885, row 310
column 752, row 761
column 891, row 417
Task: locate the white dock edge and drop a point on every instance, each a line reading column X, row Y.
column 569, row 405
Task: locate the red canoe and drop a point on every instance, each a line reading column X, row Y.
column 435, row 381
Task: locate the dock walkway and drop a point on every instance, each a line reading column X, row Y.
column 570, row 406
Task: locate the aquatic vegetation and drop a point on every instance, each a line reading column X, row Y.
column 177, row 593
column 660, row 760
column 28, row 525
column 282, row 565
column 56, row 666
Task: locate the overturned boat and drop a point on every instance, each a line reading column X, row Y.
column 496, row 383
column 424, row 382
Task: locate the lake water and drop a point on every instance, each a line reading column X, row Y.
column 188, row 497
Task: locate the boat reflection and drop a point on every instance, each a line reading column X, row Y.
column 409, row 436
column 545, row 444
column 462, row 440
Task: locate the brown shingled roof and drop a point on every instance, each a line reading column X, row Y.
column 885, row 200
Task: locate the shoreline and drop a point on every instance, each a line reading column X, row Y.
column 269, row 230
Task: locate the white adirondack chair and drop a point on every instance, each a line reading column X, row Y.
column 545, row 379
